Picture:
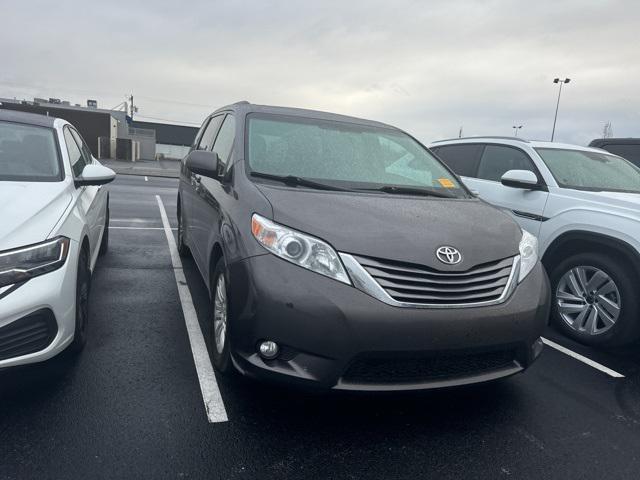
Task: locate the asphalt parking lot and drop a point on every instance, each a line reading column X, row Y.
column 133, row 404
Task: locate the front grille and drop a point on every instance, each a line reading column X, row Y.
column 417, row 284
column 428, row 369
column 28, row 335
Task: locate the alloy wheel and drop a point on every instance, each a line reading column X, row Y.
column 220, row 314
column 588, row 300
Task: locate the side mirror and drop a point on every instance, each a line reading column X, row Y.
column 203, row 163
column 95, row 175
column 520, row 179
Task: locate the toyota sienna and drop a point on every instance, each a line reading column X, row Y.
column 341, row 253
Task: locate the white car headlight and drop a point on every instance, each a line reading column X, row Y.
column 296, row 247
column 528, row 254
column 21, row 264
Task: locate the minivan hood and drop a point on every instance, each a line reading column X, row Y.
column 29, row 211
column 402, row 228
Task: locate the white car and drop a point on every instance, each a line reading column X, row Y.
column 584, row 205
column 54, row 219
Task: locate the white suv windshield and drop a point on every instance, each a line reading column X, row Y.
column 28, row 153
column 343, row 154
column 591, row 171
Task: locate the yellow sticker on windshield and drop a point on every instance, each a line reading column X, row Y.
column 446, row 183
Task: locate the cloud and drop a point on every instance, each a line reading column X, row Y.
column 428, row 67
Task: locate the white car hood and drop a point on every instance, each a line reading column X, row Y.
column 30, row 210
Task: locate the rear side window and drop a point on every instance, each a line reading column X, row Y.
column 496, row 160
column 209, row 134
column 28, row 153
column 224, row 140
column 462, row 159
column 630, row 152
column 76, row 158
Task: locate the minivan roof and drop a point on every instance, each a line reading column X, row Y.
column 246, row 108
column 29, row 118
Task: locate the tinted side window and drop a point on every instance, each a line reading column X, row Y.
column 496, row 160
column 209, row 134
column 630, row 152
column 75, row 154
column 224, row 141
column 462, row 159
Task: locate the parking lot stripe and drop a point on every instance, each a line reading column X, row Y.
column 582, row 358
column 213, row 402
column 139, row 228
column 132, row 220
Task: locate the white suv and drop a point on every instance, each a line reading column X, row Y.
column 584, row 206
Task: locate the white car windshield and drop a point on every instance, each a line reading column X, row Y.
column 28, row 153
column 346, row 155
column 593, row 171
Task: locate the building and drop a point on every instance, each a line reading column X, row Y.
column 111, row 133
column 172, row 141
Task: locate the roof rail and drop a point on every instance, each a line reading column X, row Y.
column 517, row 139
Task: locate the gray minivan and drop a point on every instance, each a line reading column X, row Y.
column 341, row 253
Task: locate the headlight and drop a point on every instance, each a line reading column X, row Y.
column 528, row 254
column 299, row 248
column 24, row 263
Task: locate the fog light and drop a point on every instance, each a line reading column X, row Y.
column 269, row 350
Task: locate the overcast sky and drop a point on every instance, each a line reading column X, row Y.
column 428, row 67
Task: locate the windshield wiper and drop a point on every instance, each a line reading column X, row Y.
column 299, row 181
column 413, row 191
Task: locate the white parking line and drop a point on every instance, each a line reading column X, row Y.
column 583, row 359
column 132, row 220
column 138, row 228
column 213, row 402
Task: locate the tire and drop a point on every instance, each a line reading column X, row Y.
column 83, row 288
column 589, row 315
column 220, row 312
column 183, row 250
column 104, row 245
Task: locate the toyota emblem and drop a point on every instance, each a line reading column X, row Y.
column 449, row 255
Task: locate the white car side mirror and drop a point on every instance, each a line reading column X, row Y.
column 520, row 179
column 95, row 175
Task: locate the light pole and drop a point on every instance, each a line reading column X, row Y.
column 561, row 82
column 516, row 128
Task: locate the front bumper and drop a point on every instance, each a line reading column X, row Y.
column 334, row 336
column 50, row 298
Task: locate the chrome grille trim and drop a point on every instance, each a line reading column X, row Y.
column 365, row 281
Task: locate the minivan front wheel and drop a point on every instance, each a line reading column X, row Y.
column 220, row 314
column 593, row 300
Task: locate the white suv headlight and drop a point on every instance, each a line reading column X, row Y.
column 528, row 254
column 21, row 264
column 296, row 247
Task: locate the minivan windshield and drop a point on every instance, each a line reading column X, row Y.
column 28, row 153
column 592, row 171
column 345, row 155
